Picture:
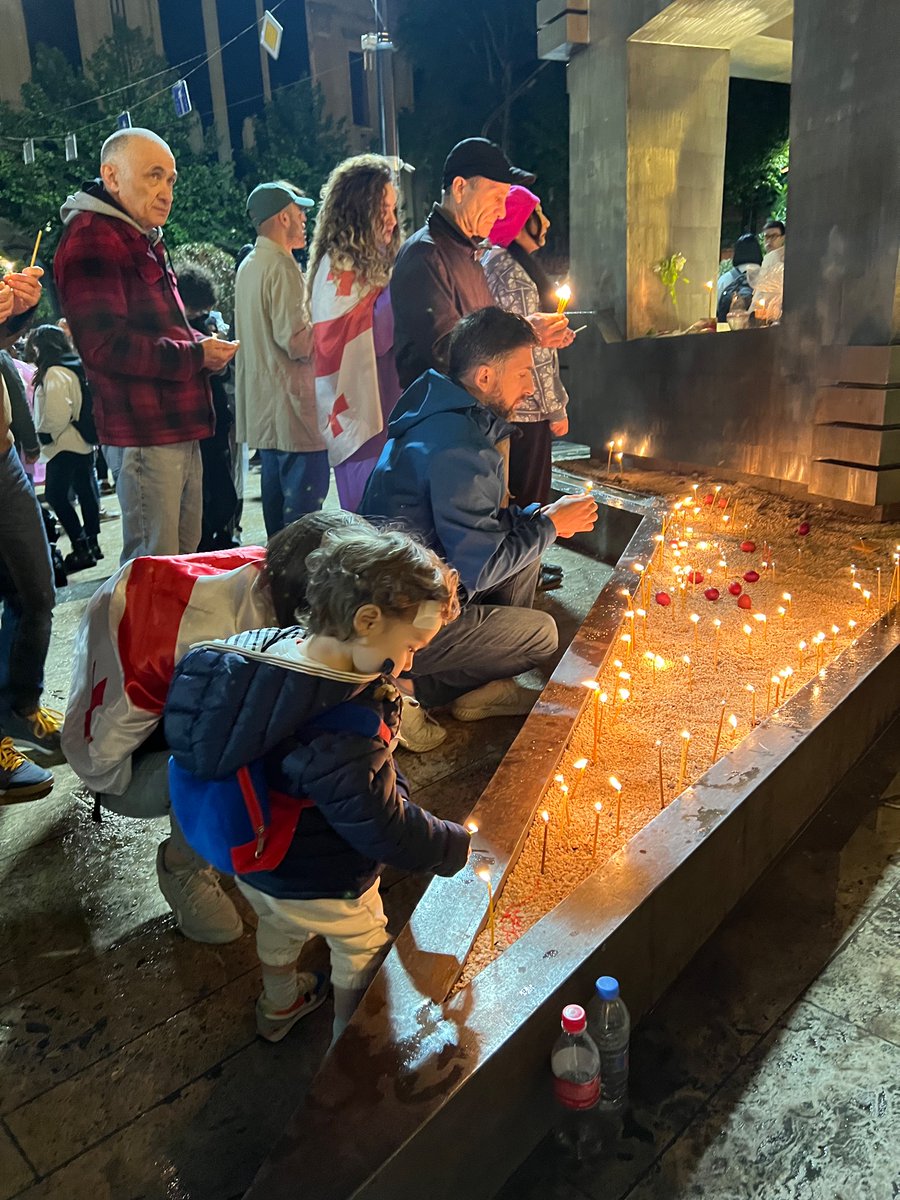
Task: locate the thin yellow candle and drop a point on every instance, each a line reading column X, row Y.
column 715, row 753
column 642, row 614
column 748, row 633
column 752, row 690
column 37, row 242
column 617, row 788
column 626, row 638
column 685, row 743
column 598, row 808
column 788, row 673
column 763, row 620
column 733, row 722
column 594, row 687
column 564, row 805
column 878, row 577
column 773, row 679
column 835, row 630
column 851, row 626
column 622, row 694
column 695, row 621
column 619, row 457
column 717, row 624
column 801, row 652
column 578, row 766
column 545, row 817
column 710, row 287
column 686, row 659
column 485, row 876
column 782, row 612
column 818, row 642
column 786, row 597
column 563, row 296
column 867, row 596
column 610, row 446
column 659, row 762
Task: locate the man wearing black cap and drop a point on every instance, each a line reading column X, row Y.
column 438, row 276
column 275, row 390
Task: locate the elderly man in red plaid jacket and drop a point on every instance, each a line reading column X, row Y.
column 148, row 369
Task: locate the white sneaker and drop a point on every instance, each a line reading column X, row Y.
column 419, row 732
column 499, row 698
column 273, row 1024
column 202, row 910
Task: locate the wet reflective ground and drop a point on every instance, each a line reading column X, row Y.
column 129, row 1066
column 770, row 1070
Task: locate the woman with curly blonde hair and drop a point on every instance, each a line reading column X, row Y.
column 351, row 259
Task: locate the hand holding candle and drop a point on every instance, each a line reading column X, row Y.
column 563, row 296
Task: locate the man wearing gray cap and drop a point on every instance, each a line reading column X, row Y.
column 275, row 396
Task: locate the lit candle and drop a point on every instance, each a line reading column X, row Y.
column 686, row 659
column 752, row 690
column 471, row 828
column 563, row 296
column 801, row 651
column 662, row 794
column 578, row 766
column 598, row 807
column 651, row 659
column 617, row 788
column 595, row 689
column 709, row 287
column 685, row 743
column 835, row 630
column 622, row 694
column 733, row 722
column 818, row 641
column 619, row 457
column 867, row 596
column 715, row 753
column 564, row 805
column 695, row 621
column 761, row 617
column 786, row 597
column 718, row 628
column 37, row 242
column 610, row 446
column 545, row 817
column 748, row 633
column 485, row 875
column 626, row 638
column 851, row 625
column 642, row 614
column 787, row 673
column 782, row 612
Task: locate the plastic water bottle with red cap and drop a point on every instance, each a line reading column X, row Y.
column 610, row 1027
column 575, row 1063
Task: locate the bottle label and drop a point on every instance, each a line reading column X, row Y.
column 577, row 1095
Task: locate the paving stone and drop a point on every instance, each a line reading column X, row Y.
column 15, row 1173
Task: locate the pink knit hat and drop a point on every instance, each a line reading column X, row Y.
column 520, row 204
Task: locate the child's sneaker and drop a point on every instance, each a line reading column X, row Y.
column 19, row 778
column 273, row 1024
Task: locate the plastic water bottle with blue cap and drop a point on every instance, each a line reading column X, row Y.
column 610, row 1027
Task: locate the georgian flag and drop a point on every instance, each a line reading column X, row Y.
column 134, row 630
column 347, row 397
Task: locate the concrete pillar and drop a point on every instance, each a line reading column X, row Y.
column 217, row 80
column 17, row 56
column 677, row 114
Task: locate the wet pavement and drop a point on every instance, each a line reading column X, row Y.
column 129, row 1066
column 769, row 1070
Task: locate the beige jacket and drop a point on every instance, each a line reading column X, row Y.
column 275, row 394
column 57, row 403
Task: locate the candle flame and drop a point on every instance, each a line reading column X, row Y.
column 624, row 694
column 748, row 630
column 658, row 742
column 472, row 827
column 759, row 617
column 592, row 684
column 614, row 783
column 484, row 873
column 716, row 622
column 750, row 687
column 733, row 721
column 695, row 617
column 545, row 817
column 685, row 735
column 560, row 778
column 564, row 293
column 598, row 807
column 659, row 662
column 579, row 764
column 835, row 629
column 786, row 596
column 603, row 697
column 686, row 659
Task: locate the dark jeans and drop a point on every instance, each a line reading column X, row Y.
column 26, row 587
column 70, row 472
column 293, row 484
column 497, row 635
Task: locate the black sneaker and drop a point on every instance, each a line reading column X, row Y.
column 19, row 778
column 39, row 730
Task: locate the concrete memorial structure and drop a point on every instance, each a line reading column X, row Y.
column 443, row 1094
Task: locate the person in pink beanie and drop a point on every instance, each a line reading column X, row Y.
column 518, row 284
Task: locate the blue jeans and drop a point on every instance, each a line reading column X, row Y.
column 160, row 490
column 26, row 588
column 293, row 484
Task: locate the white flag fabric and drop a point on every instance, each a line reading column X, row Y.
column 347, row 397
column 134, row 630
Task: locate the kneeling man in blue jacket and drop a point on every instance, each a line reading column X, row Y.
column 442, row 477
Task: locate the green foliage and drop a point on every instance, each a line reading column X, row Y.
column 670, row 275
column 487, row 71
column 295, row 141
column 756, row 151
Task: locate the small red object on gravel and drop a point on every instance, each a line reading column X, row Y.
column 663, row 598
column 735, row 588
column 745, row 601
column 711, row 593
column 709, row 499
column 694, row 576
column 751, row 576
column 748, row 547
column 803, row 528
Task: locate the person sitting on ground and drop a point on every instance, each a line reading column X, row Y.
column 441, row 475
column 738, row 281
column 58, row 397
column 135, row 628
column 375, row 600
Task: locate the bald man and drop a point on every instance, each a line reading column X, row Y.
column 148, row 369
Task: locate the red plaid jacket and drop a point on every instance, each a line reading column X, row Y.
column 142, row 358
